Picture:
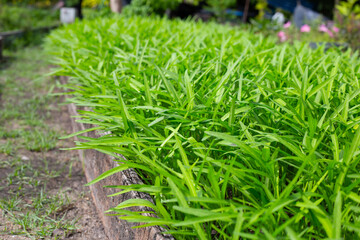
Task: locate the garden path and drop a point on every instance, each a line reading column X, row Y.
column 42, row 192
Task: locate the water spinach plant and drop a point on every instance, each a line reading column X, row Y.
column 234, row 135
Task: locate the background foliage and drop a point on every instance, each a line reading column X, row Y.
column 20, row 17
column 348, row 18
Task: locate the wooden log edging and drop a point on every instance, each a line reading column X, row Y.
column 96, row 163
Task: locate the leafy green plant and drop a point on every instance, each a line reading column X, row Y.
column 234, row 136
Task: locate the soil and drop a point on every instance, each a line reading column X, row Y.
column 69, row 181
column 88, row 226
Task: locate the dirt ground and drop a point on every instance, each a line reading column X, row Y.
column 42, row 192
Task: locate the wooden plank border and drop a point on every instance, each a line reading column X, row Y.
column 96, row 163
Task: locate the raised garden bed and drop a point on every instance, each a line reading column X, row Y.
column 233, row 135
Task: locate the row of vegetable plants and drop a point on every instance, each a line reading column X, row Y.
column 234, row 135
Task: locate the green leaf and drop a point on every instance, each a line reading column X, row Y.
column 108, row 173
column 81, row 132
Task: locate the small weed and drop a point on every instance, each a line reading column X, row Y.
column 10, row 133
column 40, row 216
column 11, row 204
column 8, row 148
column 46, row 172
column 8, row 114
column 37, row 140
column 5, row 164
column 18, row 176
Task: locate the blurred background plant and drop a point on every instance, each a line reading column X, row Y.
column 148, row 7
column 13, row 17
column 160, row 7
column 261, row 6
column 137, row 8
column 30, row 14
column 34, row 3
column 348, row 18
column 219, row 7
column 96, row 8
column 95, row 3
column 317, row 33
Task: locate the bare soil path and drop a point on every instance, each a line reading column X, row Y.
column 42, row 192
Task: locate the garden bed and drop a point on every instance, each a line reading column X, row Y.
column 232, row 134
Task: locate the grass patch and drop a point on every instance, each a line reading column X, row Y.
column 234, row 135
column 41, row 140
column 26, row 204
column 39, row 216
column 7, row 148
